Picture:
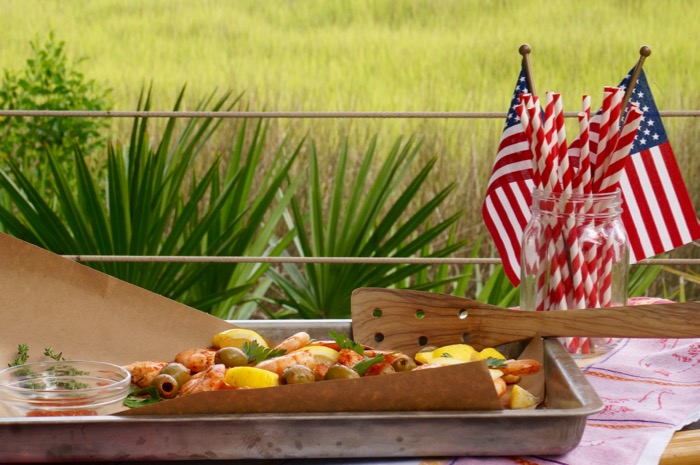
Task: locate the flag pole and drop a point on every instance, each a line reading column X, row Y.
column 525, row 50
column 644, row 52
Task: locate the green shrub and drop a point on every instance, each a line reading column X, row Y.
column 50, row 82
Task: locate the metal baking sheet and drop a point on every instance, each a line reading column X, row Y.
column 554, row 429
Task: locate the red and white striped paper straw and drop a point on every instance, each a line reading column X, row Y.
column 616, row 162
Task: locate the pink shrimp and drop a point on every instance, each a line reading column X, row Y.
column 197, row 360
column 390, row 355
column 334, row 345
column 294, row 342
column 500, row 386
column 519, row 367
column 381, row 368
column 281, row 363
column 349, row 357
column 321, row 369
column 142, row 373
column 211, row 379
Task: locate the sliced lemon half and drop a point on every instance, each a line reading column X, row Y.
column 463, row 352
column 250, row 377
column 491, row 352
column 322, row 354
column 236, row 337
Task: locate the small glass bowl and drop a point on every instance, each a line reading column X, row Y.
column 63, row 388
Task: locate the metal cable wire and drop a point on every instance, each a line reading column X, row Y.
column 287, row 114
column 331, row 260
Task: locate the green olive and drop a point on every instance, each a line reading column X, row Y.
column 178, row 371
column 297, row 374
column 231, row 357
column 338, row 371
column 403, row 363
column 166, row 385
column 428, row 349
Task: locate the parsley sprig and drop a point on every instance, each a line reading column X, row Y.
column 344, row 342
column 362, row 367
column 496, row 363
column 257, row 353
column 138, row 397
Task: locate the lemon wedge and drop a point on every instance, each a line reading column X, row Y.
column 521, row 398
column 250, row 377
column 462, row 352
column 426, row 358
column 491, row 352
column 322, row 354
column 236, row 337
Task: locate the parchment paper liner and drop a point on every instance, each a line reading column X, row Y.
column 49, row 301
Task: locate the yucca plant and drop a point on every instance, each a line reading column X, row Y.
column 152, row 202
column 371, row 220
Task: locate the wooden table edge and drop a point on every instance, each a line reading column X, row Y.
column 683, row 449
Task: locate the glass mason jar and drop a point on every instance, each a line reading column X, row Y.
column 575, row 255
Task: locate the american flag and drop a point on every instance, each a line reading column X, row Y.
column 506, row 207
column 658, row 213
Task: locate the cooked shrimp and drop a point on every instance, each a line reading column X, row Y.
column 520, row 367
column 321, row 369
column 500, row 386
column 390, row 355
column 211, row 379
column 349, row 357
column 197, row 360
column 334, row 345
column 281, row 363
column 294, row 342
column 381, row 368
column 142, row 373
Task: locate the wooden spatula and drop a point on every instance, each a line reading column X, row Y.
column 408, row 320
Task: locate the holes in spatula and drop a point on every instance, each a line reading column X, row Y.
column 422, row 341
column 463, row 313
column 378, row 337
column 466, row 338
column 420, row 314
column 377, row 313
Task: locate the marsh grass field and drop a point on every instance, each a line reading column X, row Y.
column 377, row 55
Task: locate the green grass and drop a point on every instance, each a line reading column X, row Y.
column 377, row 55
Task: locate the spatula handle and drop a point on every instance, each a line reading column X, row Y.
column 411, row 319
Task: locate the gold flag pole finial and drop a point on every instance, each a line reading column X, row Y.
column 644, row 52
column 525, row 50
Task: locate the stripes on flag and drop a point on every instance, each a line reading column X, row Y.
column 506, row 206
column 658, row 213
column 656, row 204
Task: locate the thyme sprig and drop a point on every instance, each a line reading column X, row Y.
column 22, row 356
